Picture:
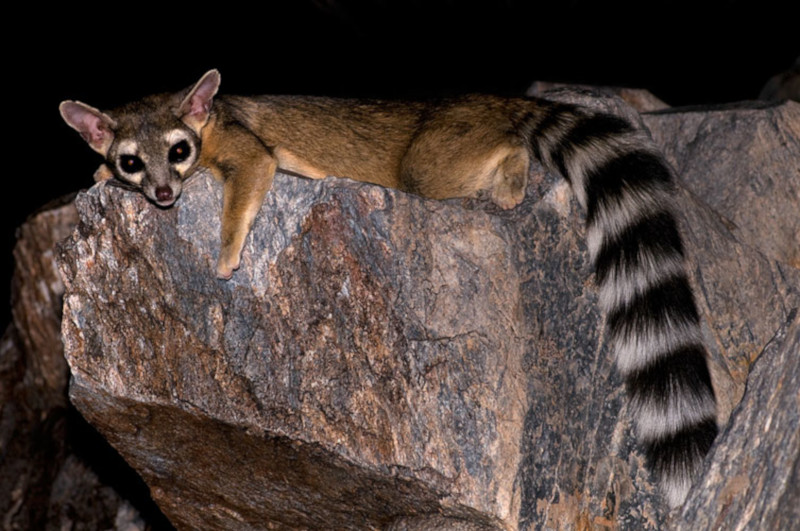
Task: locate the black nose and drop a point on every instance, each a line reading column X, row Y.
column 163, row 194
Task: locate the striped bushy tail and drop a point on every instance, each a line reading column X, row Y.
column 652, row 321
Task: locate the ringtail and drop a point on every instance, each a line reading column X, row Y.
column 472, row 146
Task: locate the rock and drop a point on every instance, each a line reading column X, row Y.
column 386, row 361
column 742, row 161
column 34, row 377
column 751, row 257
column 46, row 448
column 753, row 479
column 37, row 300
column 340, row 359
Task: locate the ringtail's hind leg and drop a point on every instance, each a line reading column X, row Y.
column 247, row 177
column 498, row 173
column 468, row 150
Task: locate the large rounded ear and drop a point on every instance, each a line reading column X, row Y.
column 196, row 106
column 95, row 127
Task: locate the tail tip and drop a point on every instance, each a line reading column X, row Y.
column 675, row 489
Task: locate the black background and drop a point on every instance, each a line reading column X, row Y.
column 685, row 53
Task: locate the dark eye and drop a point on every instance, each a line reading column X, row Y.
column 179, row 152
column 131, row 164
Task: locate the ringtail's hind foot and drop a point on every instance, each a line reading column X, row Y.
column 511, row 179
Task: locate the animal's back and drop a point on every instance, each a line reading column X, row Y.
column 364, row 140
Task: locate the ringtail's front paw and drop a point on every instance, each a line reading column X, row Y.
column 226, row 265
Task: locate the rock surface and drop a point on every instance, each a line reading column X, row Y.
column 753, row 481
column 339, row 366
column 744, row 162
column 385, row 361
column 47, row 451
column 33, row 375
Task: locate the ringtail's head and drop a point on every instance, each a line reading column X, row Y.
column 151, row 145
